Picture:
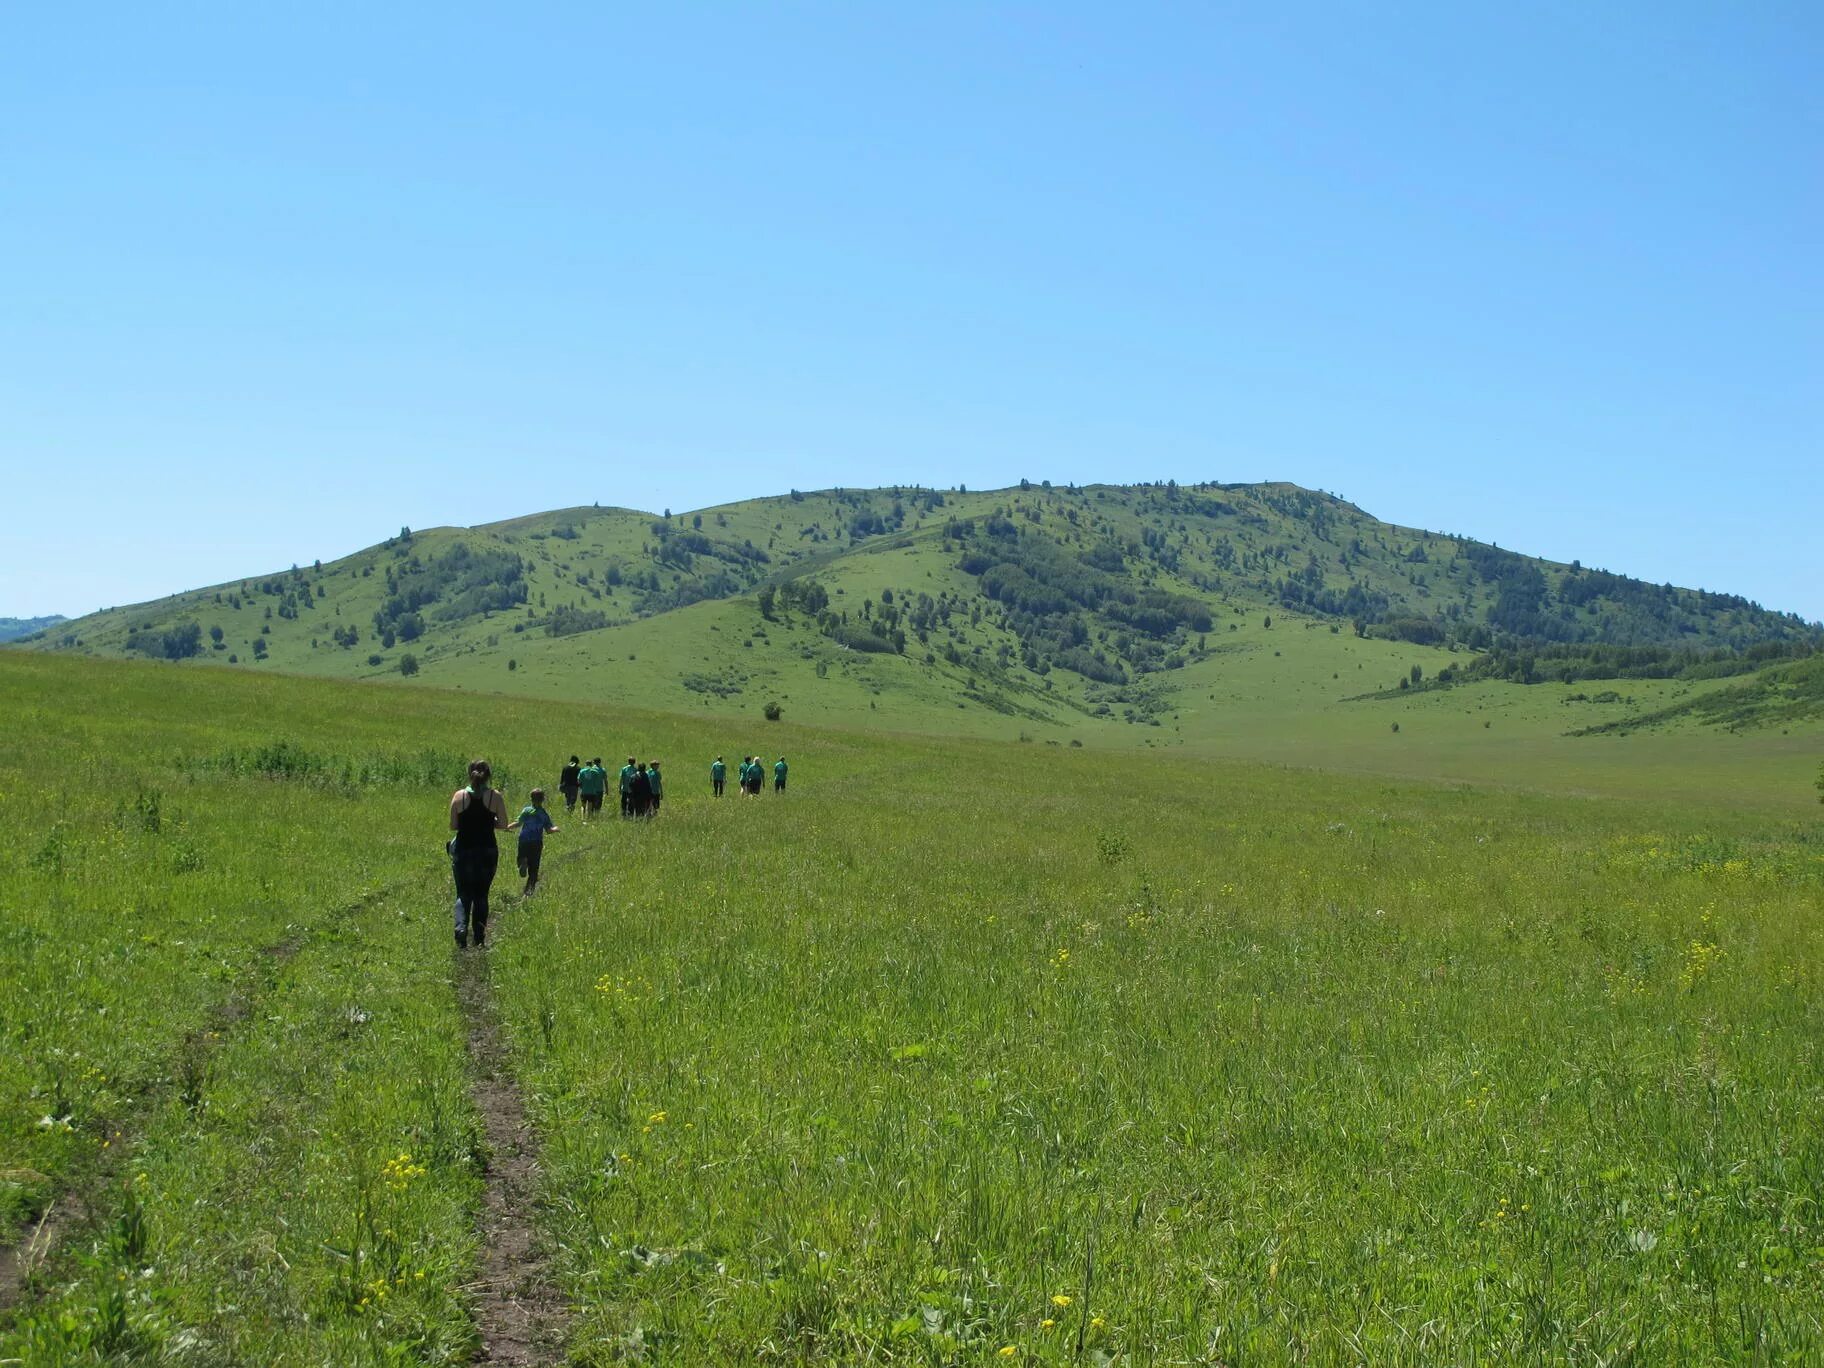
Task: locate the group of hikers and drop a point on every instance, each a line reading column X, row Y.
column 478, row 810
column 642, row 787
column 751, row 776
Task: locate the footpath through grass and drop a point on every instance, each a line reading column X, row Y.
column 956, row 1053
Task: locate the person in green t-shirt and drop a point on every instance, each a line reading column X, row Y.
column 628, row 770
column 718, row 775
column 591, row 781
column 779, row 776
column 656, row 784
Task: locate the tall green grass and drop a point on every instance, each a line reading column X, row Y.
column 1196, row 1062
column 966, row 1055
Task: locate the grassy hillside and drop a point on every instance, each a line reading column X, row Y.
column 12, row 628
column 959, row 1052
column 1148, row 615
column 1781, row 694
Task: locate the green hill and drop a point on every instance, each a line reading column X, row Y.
column 13, row 628
column 1151, row 613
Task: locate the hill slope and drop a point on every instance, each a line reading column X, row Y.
column 1080, row 611
column 12, row 628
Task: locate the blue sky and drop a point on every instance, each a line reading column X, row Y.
column 1549, row 275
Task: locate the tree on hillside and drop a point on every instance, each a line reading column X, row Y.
column 181, row 642
column 408, row 664
column 767, row 597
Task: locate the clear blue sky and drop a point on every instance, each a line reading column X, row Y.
column 1549, row 275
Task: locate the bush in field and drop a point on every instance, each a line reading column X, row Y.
column 773, row 712
column 408, row 664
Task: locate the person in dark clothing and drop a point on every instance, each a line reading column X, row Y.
column 628, row 770
column 569, row 784
column 476, row 813
column 640, row 794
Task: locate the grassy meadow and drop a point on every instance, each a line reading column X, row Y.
column 962, row 1051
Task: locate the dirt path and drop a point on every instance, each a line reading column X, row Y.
column 522, row 1317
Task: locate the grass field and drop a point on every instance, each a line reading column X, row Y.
column 962, row 1051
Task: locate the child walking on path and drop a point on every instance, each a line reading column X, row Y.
column 532, row 824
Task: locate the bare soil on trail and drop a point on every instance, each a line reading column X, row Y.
column 521, row 1316
column 18, row 1261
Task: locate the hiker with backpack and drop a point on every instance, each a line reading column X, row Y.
column 639, row 793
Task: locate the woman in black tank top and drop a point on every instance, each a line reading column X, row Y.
column 476, row 813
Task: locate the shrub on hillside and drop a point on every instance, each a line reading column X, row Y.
column 567, row 621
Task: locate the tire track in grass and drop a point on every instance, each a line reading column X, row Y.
column 82, row 1201
column 522, row 1319
column 77, row 1205
column 521, row 1315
